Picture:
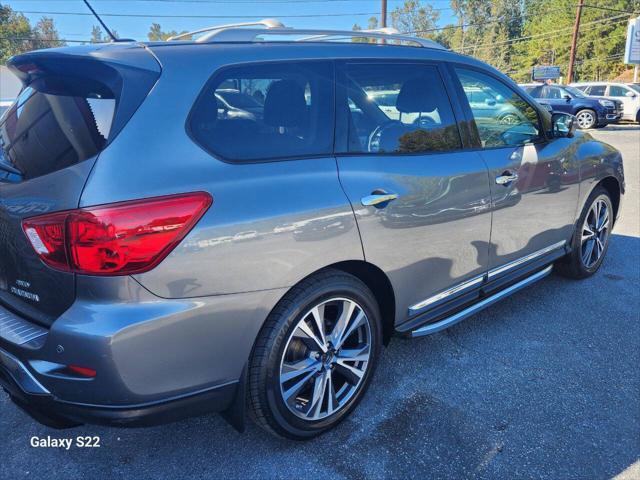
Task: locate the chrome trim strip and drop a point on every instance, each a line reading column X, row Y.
column 461, row 287
column 520, row 261
column 18, row 330
column 23, row 377
column 449, row 321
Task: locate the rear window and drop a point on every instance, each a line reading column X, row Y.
column 55, row 123
column 269, row 111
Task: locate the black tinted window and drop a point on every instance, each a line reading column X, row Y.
column 597, row 90
column 49, row 128
column 257, row 112
column 398, row 108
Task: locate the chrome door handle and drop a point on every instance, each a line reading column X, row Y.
column 377, row 199
column 506, row 178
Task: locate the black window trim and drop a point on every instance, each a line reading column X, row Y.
column 342, row 125
column 542, row 138
column 231, row 66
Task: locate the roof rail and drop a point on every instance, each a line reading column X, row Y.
column 238, row 32
column 265, row 22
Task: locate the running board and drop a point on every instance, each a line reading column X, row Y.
column 452, row 320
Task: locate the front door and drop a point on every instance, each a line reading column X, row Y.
column 421, row 202
column 534, row 180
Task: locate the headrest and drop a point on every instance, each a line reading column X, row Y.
column 285, row 105
column 416, row 96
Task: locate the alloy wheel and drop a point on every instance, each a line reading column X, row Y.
column 585, row 119
column 595, row 232
column 325, row 359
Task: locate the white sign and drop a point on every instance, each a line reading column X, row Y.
column 632, row 49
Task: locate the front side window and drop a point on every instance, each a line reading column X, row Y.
column 502, row 117
column 617, row 91
column 260, row 112
column 398, row 108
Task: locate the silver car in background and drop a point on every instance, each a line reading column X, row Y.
column 166, row 253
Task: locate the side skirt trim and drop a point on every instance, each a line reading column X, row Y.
column 452, row 320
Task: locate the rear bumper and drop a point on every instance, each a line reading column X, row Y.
column 156, row 360
column 40, row 404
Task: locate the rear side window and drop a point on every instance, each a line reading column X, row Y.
column 398, row 108
column 268, row 111
column 51, row 127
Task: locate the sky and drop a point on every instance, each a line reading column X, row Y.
column 330, row 14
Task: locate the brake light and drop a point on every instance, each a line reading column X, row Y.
column 116, row 239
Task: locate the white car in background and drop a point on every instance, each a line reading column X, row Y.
column 628, row 94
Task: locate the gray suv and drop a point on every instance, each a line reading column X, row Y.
column 236, row 224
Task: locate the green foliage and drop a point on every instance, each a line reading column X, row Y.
column 14, row 28
column 17, row 36
column 156, row 34
column 414, row 16
column 515, row 35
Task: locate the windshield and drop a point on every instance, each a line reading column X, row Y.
column 635, row 86
column 575, row 92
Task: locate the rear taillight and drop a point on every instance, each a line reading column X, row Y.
column 116, row 239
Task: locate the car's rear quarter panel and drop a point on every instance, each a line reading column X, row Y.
column 271, row 223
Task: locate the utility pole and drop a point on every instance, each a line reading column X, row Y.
column 383, row 14
column 574, row 42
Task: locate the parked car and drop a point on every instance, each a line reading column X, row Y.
column 160, row 258
column 590, row 112
column 628, row 94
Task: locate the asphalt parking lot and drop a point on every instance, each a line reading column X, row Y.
column 543, row 385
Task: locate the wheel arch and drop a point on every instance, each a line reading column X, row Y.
column 612, row 186
column 379, row 283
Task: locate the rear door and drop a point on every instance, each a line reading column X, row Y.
column 629, row 103
column 421, row 200
column 65, row 115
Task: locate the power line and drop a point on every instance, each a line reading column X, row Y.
column 546, row 34
column 144, row 15
column 225, row 1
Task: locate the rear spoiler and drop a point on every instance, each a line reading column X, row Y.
column 124, row 72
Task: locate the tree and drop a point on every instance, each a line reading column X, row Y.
column 156, row 34
column 15, row 33
column 17, row 36
column 414, row 17
column 98, row 36
column 372, row 25
column 45, row 34
column 549, row 25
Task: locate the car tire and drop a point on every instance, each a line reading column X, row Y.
column 590, row 241
column 638, row 117
column 586, row 119
column 293, row 384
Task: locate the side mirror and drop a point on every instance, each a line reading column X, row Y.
column 567, row 98
column 563, row 125
column 630, row 95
